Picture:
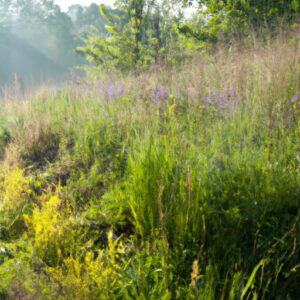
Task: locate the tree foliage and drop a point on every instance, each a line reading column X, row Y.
column 237, row 17
column 84, row 18
column 138, row 33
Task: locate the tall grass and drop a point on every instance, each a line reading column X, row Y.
column 178, row 183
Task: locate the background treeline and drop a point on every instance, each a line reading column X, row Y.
column 38, row 40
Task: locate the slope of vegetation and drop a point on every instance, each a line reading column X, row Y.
column 178, row 183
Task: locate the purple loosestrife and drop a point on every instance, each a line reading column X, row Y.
column 211, row 97
column 154, row 99
column 294, row 102
column 222, row 101
column 227, row 100
column 234, row 101
column 110, row 92
column 216, row 92
column 120, row 90
column 232, row 92
column 159, row 94
column 207, row 99
column 295, row 99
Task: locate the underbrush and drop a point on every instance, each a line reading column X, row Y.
column 171, row 184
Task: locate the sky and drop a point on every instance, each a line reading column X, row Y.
column 64, row 4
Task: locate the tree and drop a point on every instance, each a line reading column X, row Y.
column 138, row 33
column 85, row 17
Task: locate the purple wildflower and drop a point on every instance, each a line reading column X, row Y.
column 232, row 92
column 207, row 99
column 162, row 93
column 158, row 94
column 120, row 90
column 154, row 99
column 215, row 92
column 295, row 99
column 110, row 91
column 223, row 100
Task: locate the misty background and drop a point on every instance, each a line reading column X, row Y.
column 38, row 39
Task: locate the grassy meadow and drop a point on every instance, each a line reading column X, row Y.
column 177, row 183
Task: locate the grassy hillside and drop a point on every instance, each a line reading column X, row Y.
column 178, row 183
